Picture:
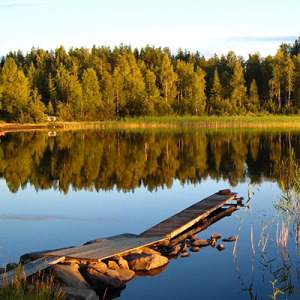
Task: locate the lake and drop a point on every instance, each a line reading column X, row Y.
column 75, row 186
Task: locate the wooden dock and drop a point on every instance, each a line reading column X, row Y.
column 188, row 217
column 165, row 230
column 106, row 248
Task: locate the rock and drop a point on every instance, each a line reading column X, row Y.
column 29, row 257
column 170, row 251
column 183, row 247
column 213, row 242
column 185, row 254
column 147, row 250
column 69, row 275
column 112, row 265
column 98, row 280
column 215, row 236
column 124, row 235
column 220, row 247
column 121, row 274
column 10, row 267
column 2, row 270
column 137, row 261
column 192, row 238
column 78, row 294
column 123, row 264
column 201, row 243
column 225, row 192
column 230, row 239
column 195, row 249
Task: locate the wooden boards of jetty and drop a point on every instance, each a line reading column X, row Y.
column 163, row 231
column 180, row 222
column 105, row 248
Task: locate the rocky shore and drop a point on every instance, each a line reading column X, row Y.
column 86, row 280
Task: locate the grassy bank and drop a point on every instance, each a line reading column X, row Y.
column 201, row 122
column 21, row 289
column 170, row 122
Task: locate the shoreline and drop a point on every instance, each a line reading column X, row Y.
column 164, row 122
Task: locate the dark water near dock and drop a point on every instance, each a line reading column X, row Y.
column 82, row 185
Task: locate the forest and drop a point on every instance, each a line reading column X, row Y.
column 108, row 84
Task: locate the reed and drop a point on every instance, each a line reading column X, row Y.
column 37, row 289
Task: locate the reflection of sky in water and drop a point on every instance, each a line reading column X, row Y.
column 32, row 221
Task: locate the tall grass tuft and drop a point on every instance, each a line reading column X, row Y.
column 21, row 289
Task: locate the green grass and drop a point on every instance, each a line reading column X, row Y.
column 210, row 121
column 21, row 289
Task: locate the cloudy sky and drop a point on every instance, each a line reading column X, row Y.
column 243, row 26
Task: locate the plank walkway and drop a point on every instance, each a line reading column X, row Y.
column 163, row 231
column 104, row 249
column 180, row 222
column 29, row 269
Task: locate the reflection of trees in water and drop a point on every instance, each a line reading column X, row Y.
column 125, row 160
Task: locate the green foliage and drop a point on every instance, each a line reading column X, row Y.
column 21, row 289
column 105, row 84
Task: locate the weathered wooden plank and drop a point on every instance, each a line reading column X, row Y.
column 105, row 249
column 29, row 269
column 189, row 216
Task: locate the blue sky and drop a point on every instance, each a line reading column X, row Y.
column 243, row 26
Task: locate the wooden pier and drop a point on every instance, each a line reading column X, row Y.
column 163, row 231
column 166, row 232
column 189, row 216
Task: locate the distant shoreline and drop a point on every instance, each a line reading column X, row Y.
column 165, row 122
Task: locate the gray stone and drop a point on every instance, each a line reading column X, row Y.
column 137, row 261
column 29, row 257
column 69, row 275
column 10, row 267
column 129, row 235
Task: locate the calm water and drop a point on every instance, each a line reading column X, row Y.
column 65, row 190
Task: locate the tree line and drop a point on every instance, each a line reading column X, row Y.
column 103, row 83
column 111, row 159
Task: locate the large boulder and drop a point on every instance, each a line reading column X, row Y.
column 139, row 261
column 99, row 280
column 69, row 275
column 120, row 274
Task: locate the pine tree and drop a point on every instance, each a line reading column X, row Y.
column 239, row 90
column 168, row 80
column 215, row 105
column 253, row 103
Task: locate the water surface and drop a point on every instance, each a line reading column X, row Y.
column 81, row 185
